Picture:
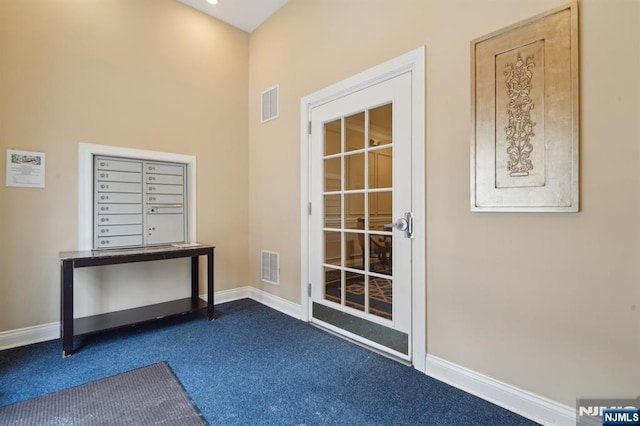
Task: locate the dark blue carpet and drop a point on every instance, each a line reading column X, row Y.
column 254, row 365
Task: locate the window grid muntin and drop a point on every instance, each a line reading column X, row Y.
column 366, row 190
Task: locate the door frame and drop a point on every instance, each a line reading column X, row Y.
column 414, row 62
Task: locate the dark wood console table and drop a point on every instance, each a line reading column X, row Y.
column 70, row 260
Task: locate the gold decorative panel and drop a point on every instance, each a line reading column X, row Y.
column 524, row 145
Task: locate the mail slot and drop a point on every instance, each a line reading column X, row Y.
column 164, row 209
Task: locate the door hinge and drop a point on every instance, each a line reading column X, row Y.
column 309, row 290
column 309, row 209
column 309, row 127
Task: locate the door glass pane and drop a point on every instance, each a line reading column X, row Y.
column 354, row 132
column 332, row 138
column 355, row 252
column 380, row 253
column 381, row 168
column 380, row 125
column 333, row 284
column 354, row 296
column 332, row 248
column 380, row 210
column 332, row 211
column 354, row 171
column 381, row 297
column 354, row 211
column 332, row 180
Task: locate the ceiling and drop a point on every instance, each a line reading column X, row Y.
column 244, row 14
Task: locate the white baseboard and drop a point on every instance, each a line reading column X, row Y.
column 279, row 304
column 29, row 335
column 527, row 404
column 225, row 296
column 261, row 296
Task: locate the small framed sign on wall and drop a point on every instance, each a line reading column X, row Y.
column 525, row 121
column 25, row 169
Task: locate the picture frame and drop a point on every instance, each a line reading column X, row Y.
column 525, row 115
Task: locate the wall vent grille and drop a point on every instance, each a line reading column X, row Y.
column 270, row 267
column 270, row 104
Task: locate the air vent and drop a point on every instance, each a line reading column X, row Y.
column 270, row 104
column 270, row 267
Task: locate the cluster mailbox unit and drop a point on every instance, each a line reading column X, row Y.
column 138, row 202
column 140, row 213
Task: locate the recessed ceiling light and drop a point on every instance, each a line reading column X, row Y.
column 212, row 1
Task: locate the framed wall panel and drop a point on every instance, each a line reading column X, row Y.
column 525, row 117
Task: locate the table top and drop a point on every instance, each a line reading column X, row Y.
column 137, row 251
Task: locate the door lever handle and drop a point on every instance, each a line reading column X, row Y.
column 401, row 224
column 405, row 224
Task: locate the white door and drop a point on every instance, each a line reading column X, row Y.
column 360, row 243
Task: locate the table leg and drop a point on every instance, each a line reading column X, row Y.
column 195, row 277
column 210, row 306
column 66, row 323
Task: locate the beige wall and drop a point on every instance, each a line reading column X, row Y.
column 546, row 302
column 144, row 74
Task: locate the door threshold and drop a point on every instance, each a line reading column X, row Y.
column 364, row 345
